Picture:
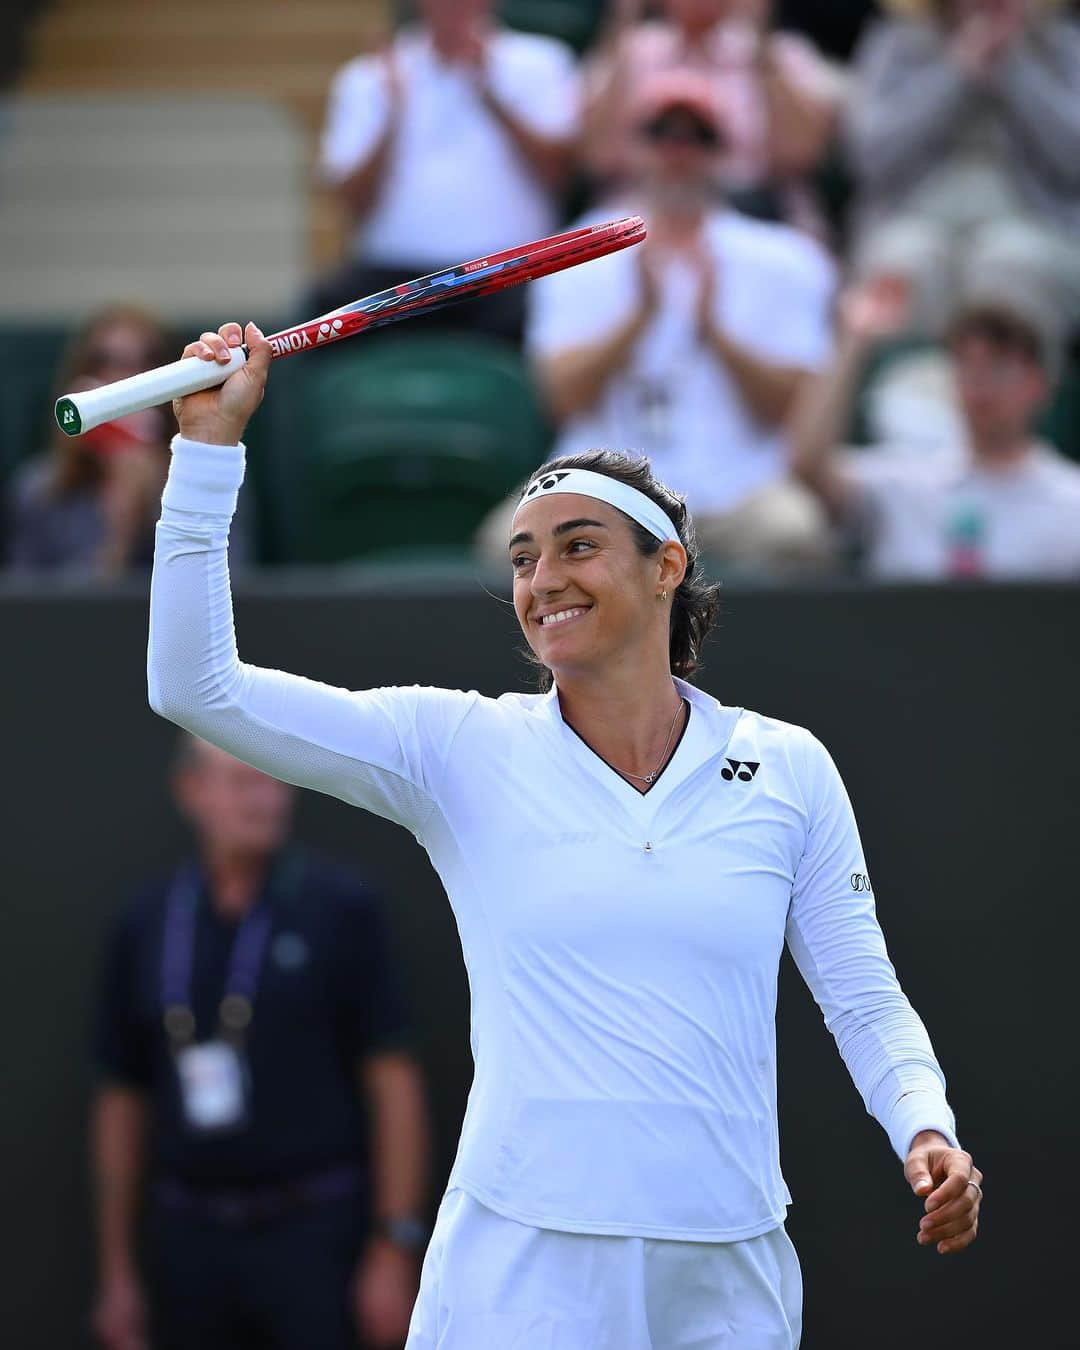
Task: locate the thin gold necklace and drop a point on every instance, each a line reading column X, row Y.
column 651, row 777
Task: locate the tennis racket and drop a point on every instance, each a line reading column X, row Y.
column 80, row 412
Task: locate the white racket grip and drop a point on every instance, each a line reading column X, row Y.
column 76, row 413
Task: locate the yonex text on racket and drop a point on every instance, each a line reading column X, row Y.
column 80, row 412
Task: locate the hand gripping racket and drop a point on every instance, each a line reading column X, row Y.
column 80, row 412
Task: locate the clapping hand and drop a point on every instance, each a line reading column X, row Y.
column 876, row 309
column 985, row 33
column 648, row 280
column 951, row 1188
column 474, row 54
column 395, row 84
column 705, row 264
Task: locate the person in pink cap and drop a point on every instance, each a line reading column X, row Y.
column 780, row 98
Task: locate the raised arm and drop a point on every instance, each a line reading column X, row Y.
column 868, row 313
column 382, row 749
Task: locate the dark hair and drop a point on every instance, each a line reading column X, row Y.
column 696, row 603
column 1002, row 328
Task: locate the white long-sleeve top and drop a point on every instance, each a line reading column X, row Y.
column 622, row 949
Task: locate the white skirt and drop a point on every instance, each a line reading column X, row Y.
column 490, row 1283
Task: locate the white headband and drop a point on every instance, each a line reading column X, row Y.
column 585, row 483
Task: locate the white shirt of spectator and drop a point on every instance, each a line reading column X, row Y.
column 622, row 949
column 675, row 401
column 455, row 187
column 1026, row 520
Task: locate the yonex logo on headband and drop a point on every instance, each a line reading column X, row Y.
column 627, row 499
column 544, row 484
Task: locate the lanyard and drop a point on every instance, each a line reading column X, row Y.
column 177, row 958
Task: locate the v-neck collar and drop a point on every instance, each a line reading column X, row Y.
column 706, row 733
column 641, row 792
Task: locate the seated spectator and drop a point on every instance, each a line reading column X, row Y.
column 88, row 504
column 999, row 505
column 691, row 348
column 453, row 143
column 780, row 99
column 964, row 131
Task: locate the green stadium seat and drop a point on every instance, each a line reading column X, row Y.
column 1061, row 421
column 30, row 357
column 409, row 442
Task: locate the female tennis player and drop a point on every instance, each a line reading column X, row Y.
column 625, row 858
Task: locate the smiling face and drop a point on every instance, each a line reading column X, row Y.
column 584, row 594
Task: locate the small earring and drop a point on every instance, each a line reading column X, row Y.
column 662, row 595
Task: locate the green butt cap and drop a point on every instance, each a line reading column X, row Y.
column 67, row 417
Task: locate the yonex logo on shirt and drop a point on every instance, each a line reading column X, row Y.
column 742, row 769
column 860, row 882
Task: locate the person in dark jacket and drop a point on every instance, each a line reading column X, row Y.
column 256, row 1088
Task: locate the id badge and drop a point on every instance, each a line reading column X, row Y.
column 213, row 1086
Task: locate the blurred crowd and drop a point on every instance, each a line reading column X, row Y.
column 844, row 340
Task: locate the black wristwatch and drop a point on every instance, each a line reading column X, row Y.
column 405, row 1230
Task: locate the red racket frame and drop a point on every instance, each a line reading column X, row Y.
column 467, row 281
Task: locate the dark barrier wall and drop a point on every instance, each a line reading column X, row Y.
column 953, row 717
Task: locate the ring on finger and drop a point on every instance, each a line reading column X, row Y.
column 972, row 1182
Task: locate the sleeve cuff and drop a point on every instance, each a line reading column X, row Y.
column 204, row 479
column 916, row 1111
